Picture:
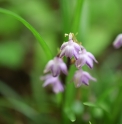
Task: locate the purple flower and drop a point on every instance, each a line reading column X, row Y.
column 85, row 58
column 70, row 48
column 118, row 41
column 55, row 66
column 54, row 81
column 82, row 77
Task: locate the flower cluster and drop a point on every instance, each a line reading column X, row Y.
column 70, row 49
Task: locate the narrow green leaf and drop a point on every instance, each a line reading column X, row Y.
column 33, row 30
column 84, row 21
column 97, row 105
column 23, row 108
column 7, row 91
column 105, row 94
column 77, row 16
column 90, row 104
column 16, row 101
column 70, row 87
column 72, row 117
column 65, row 7
column 70, row 114
column 59, row 98
column 90, row 122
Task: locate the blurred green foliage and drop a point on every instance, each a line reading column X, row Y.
column 97, row 22
column 11, row 54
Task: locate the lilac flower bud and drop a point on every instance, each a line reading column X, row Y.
column 54, row 81
column 82, row 77
column 118, row 41
column 85, row 58
column 55, row 66
column 70, row 48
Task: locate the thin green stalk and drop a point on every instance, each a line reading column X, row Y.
column 116, row 110
column 64, row 4
column 77, row 16
column 33, row 30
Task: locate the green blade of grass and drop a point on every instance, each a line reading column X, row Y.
column 77, row 16
column 33, row 30
column 16, row 102
column 64, row 4
column 22, row 107
column 90, row 104
column 6, row 91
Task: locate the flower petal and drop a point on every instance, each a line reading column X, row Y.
column 63, row 68
column 80, row 61
column 77, row 47
column 89, row 62
column 63, row 45
column 92, row 56
column 75, row 54
column 49, row 81
column 48, row 66
column 69, row 51
column 118, row 41
column 89, row 76
column 55, row 71
column 62, row 53
column 58, row 87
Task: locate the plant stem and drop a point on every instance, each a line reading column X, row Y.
column 77, row 16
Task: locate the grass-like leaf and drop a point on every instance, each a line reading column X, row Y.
column 24, row 108
column 16, row 102
column 97, row 105
column 77, row 16
column 90, row 104
column 6, row 91
column 65, row 10
column 70, row 114
column 33, row 30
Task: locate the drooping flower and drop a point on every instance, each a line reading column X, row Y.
column 85, row 58
column 56, row 66
column 82, row 77
column 118, row 41
column 54, row 81
column 70, row 49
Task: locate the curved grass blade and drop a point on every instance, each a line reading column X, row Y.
column 90, row 122
column 22, row 107
column 13, row 101
column 90, row 104
column 97, row 105
column 70, row 114
column 6, row 91
column 16, row 101
column 33, row 30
